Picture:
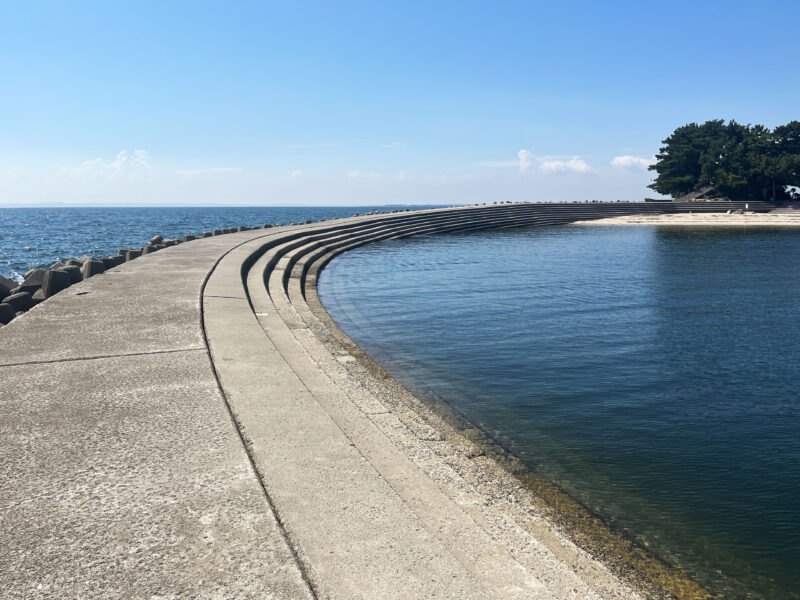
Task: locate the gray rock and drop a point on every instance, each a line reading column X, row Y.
column 242, row 228
column 34, row 277
column 21, row 301
column 7, row 313
column 83, row 259
column 188, row 237
column 6, row 285
column 26, row 287
column 149, row 248
column 131, row 254
column 54, row 282
column 170, row 243
column 123, row 251
column 267, row 225
column 91, row 268
column 207, row 234
column 156, row 239
column 73, row 272
column 308, row 221
column 38, row 296
column 74, row 262
column 108, row 262
column 56, row 265
column 218, row 232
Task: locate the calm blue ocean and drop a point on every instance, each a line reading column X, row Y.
column 651, row 373
column 38, row 237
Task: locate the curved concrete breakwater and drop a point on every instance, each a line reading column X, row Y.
column 192, row 424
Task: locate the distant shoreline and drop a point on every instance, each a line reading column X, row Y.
column 703, row 220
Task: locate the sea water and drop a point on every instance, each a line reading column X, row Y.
column 38, row 237
column 653, row 374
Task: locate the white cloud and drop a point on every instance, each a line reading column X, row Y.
column 574, row 165
column 373, row 176
column 394, row 145
column 127, row 166
column 294, row 173
column 527, row 161
column 363, row 175
column 631, row 162
column 11, row 174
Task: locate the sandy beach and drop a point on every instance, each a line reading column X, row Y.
column 704, row 219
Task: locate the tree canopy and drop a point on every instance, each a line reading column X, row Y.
column 740, row 162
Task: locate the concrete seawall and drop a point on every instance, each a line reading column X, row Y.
column 192, row 424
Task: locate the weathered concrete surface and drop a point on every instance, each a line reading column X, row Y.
column 125, row 474
column 123, row 477
column 151, row 304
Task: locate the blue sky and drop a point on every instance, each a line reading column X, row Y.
column 361, row 103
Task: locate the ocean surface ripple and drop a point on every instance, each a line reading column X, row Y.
column 38, row 237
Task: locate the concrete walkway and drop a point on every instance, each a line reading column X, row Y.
column 123, row 473
column 191, row 424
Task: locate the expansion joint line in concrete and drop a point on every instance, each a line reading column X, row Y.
column 247, row 450
column 230, row 297
column 100, row 357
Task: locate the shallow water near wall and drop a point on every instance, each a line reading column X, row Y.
column 650, row 373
